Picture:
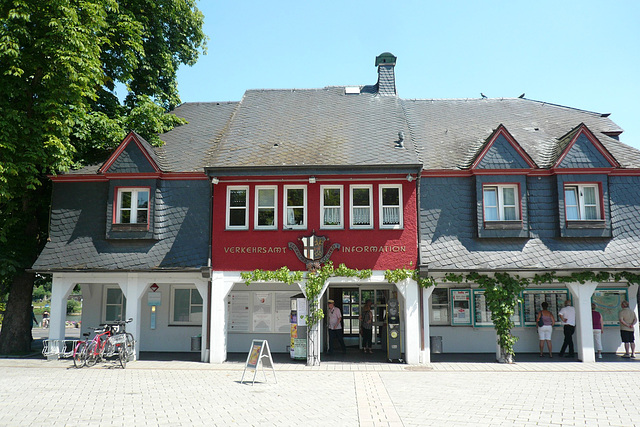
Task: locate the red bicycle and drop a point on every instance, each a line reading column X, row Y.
column 110, row 340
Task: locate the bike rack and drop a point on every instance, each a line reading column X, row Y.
column 56, row 349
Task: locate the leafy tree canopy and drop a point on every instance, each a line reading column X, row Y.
column 60, row 63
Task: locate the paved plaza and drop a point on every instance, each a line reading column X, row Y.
column 37, row 392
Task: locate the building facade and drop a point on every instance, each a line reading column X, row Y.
column 354, row 175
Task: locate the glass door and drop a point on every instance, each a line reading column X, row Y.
column 378, row 299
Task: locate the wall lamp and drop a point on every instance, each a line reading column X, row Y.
column 409, row 178
column 312, row 180
column 215, row 180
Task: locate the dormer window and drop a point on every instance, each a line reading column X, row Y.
column 582, row 202
column 500, row 203
column 132, row 206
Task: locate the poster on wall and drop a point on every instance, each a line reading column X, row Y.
column 608, row 302
column 461, row 307
column 283, row 312
column 262, row 312
column 238, row 312
column 482, row 314
column 533, row 299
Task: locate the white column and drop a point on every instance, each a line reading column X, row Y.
column 133, row 289
column 60, row 290
column 582, row 293
column 409, row 290
column 203, row 286
column 425, row 354
column 220, row 287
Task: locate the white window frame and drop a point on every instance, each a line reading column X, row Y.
column 172, row 320
column 245, row 208
column 340, row 225
column 399, row 225
column 133, row 208
column 500, row 200
column 580, row 199
column 352, row 207
column 285, row 223
column 123, row 304
column 257, row 207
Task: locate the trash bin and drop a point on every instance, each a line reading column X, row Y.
column 436, row 344
column 196, row 343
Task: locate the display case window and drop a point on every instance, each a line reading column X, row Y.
column 439, row 314
column 461, row 307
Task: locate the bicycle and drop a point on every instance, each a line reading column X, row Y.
column 110, row 341
column 81, row 349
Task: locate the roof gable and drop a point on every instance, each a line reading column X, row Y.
column 502, row 151
column 133, row 155
column 581, row 149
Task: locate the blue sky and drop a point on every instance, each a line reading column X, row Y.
column 581, row 54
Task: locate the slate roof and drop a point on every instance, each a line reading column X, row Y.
column 450, row 132
column 315, row 128
column 186, row 146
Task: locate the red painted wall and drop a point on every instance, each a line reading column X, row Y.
column 377, row 249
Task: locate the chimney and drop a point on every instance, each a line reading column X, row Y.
column 386, row 77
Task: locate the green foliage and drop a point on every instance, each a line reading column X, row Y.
column 283, row 274
column 73, row 306
column 60, row 63
column 400, row 274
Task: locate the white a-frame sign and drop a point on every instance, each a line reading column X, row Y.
column 259, row 350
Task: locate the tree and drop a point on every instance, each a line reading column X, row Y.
column 60, row 62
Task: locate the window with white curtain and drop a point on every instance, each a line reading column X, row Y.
column 500, row 203
column 266, row 198
column 331, row 202
column 295, row 207
column 390, row 206
column 581, row 202
column 361, row 206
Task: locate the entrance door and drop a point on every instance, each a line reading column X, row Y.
column 352, row 300
column 379, row 298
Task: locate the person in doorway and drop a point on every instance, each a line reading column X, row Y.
column 366, row 325
column 335, row 328
column 568, row 317
column 544, row 331
column 627, row 319
column 596, row 318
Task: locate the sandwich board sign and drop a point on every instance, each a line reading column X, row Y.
column 259, row 356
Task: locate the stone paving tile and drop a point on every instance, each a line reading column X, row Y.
column 37, row 393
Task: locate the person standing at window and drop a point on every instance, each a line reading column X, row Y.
column 366, row 324
column 335, row 328
column 596, row 318
column 627, row 319
column 544, row 331
column 568, row 317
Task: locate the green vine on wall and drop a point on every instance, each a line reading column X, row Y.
column 400, row 274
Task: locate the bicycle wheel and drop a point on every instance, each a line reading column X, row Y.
column 122, row 355
column 93, row 352
column 80, row 354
